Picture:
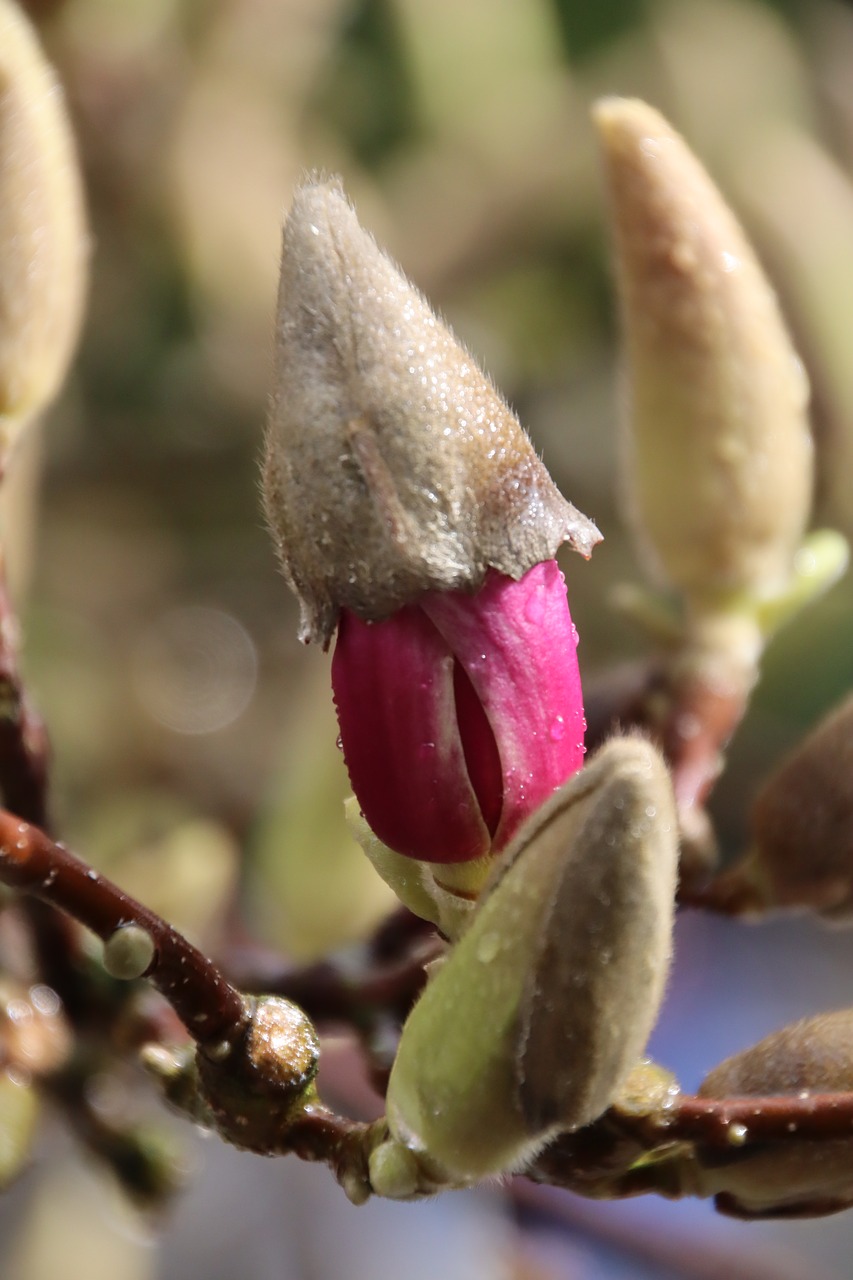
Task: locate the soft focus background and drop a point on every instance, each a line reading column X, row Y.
column 194, row 740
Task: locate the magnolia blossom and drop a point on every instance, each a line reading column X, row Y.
column 461, row 714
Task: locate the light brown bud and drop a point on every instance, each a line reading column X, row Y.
column 393, row 466
column 802, row 822
column 540, row 1011
column 719, row 455
column 802, row 830
column 43, row 239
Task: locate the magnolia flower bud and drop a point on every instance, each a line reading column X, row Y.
column 392, row 465
column 791, row 1178
column 461, row 714
column 719, row 456
column 43, row 240
column 540, row 1011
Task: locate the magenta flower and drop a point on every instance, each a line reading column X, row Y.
column 461, row 714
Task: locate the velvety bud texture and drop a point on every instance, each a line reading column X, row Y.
column 393, row 467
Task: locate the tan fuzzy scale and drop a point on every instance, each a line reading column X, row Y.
column 544, row 1006
column 392, row 465
column 43, row 238
column 717, row 395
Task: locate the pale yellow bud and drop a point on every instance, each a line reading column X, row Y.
column 393, row 466
column 536, row 1018
column 719, row 456
column 43, row 238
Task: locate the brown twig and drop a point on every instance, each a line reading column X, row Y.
column 206, row 1003
column 737, row 1122
column 350, row 987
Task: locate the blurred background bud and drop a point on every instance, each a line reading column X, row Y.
column 43, row 239
column 392, row 467
column 542, row 1008
column 719, row 455
column 802, row 829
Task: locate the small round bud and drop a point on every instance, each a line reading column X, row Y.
column 394, row 1171
column 129, row 952
column 282, row 1045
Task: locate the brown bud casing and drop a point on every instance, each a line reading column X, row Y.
column 814, row 1054
column 542, row 1008
column 43, row 238
column 719, row 454
column 393, row 466
column 794, row 1178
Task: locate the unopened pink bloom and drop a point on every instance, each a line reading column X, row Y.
column 461, row 714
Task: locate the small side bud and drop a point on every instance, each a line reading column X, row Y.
column 252, row 1086
column 129, row 952
column 540, row 1011
column 43, row 239
column 719, row 465
column 393, row 467
column 794, row 1178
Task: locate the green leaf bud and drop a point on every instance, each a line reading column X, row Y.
column 542, row 1008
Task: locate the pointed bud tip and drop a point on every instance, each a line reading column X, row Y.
column 618, row 118
column 393, row 467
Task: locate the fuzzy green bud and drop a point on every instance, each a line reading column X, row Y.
column 535, row 1019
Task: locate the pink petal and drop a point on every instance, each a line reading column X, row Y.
column 517, row 644
column 393, row 683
